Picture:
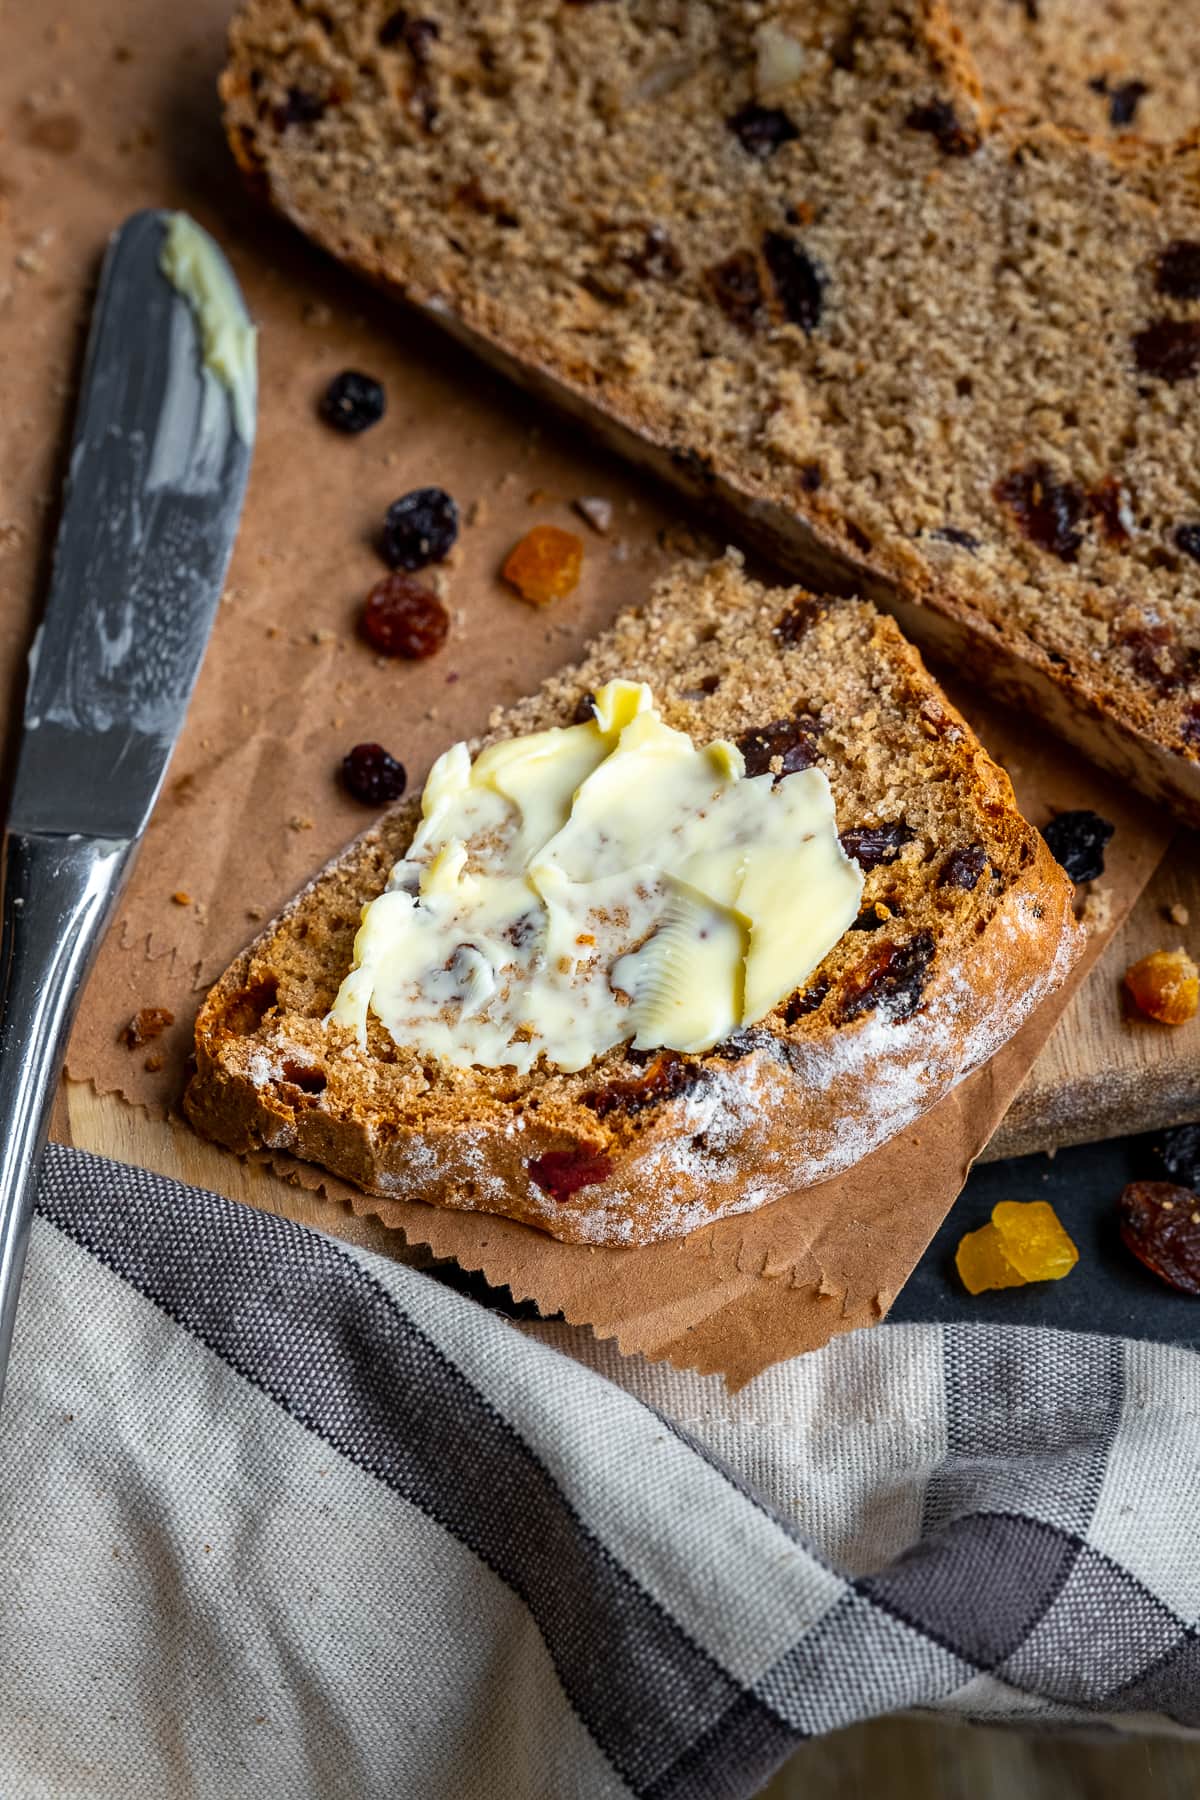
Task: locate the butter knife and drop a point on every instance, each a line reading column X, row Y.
column 160, row 455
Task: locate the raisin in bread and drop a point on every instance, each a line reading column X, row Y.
column 966, row 923
column 794, row 257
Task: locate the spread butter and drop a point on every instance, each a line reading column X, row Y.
column 573, row 889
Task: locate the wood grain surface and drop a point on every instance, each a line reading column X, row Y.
column 1107, row 1071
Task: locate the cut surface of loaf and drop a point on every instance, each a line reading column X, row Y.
column 966, row 923
column 819, row 264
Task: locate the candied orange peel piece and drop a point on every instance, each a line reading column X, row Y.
column 545, row 565
column 1165, row 986
column 1024, row 1242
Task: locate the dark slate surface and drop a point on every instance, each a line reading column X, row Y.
column 1107, row 1290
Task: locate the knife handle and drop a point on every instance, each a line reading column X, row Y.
column 56, row 895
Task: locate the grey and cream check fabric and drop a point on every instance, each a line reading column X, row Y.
column 281, row 1518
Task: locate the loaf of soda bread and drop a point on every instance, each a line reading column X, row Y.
column 820, row 264
column 966, row 923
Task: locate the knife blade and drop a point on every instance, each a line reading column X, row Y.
column 163, row 439
column 154, row 492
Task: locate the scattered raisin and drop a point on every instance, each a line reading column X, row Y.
column 1165, row 986
column 415, row 34
column 1110, row 503
column 1177, row 272
column 791, row 740
column 939, row 119
column 352, row 402
column 871, row 846
column 797, row 279
column 742, row 1043
column 761, row 130
column 1160, row 1225
column 1168, row 349
column 1187, row 539
column 1123, row 102
column 806, row 1000
column 1048, row 511
column 892, row 978
column 402, row 618
column 373, row 776
column 585, row 710
column 867, row 920
column 797, row 621
column 146, row 1025
column 658, row 259
column 1076, row 841
column 963, row 867
column 421, row 528
column 300, row 108
column 563, row 1172
column 1180, row 1155
column 810, row 477
column 1157, row 657
column 954, row 534
column 736, row 286
column 545, row 565
column 667, row 1077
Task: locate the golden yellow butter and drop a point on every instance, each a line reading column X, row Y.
column 577, row 888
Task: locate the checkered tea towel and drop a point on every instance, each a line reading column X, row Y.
column 278, row 1518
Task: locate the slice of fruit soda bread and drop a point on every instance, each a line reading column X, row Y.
column 966, row 922
column 808, row 262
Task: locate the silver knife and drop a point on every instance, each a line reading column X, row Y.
column 158, row 468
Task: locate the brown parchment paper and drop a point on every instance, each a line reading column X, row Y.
column 106, row 109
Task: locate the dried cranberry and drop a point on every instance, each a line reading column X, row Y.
column 300, row 108
column 806, row 1000
column 1179, row 1154
column 1076, row 841
column 1047, row 510
column 667, row 1077
column 421, row 528
column 892, row 978
column 402, row 618
column 797, row 621
column 1177, row 271
column 1123, row 102
column 563, row 1172
column 736, row 286
column 797, row 280
column 871, row 846
column 791, row 740
column 1160, row 1224
column 761, row 129
column 373, row 776
column 939, row 119
column 1187, row 539
column 352, row 402
column 1168, row 349
column 963, row 867
column 658, row 259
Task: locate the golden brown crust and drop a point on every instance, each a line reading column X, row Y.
column 1029, row 372
column 941, row 970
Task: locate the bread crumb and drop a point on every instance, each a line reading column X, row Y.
column 154, row 1062
column 145, row 1025
column 597, row 511
column 1095, row 915
column 316, row 314
column 478, row 512
column 323, row 635
column 1178, row 913
column 181, row 897
column 300, row 822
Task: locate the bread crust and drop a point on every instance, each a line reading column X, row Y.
column 1117, row 720
column 782, row 1106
